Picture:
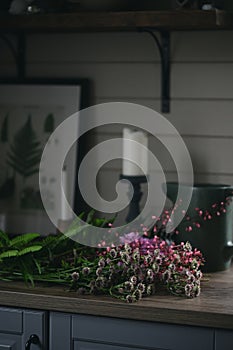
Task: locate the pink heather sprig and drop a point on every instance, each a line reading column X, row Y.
column 138, row 268
column 200, row 217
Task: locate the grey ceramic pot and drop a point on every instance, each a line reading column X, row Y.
column 211, row 207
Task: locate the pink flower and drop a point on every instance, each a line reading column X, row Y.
column 75, row 276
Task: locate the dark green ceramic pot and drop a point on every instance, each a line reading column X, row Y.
column 5, row 5
column 208, row 223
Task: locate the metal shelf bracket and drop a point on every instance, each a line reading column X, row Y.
column 18, row 52
column 164, row 50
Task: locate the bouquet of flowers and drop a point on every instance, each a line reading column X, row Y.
column 139, row 267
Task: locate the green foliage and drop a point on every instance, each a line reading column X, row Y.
column 76, row 230
column 4, row 239
column 32, row 249
column 17, row 256
column 25, row 151
column 32, row 258
column 9, row 254
column 22, row 240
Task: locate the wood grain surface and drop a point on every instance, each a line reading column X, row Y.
column 130, row 20
column 213, row 308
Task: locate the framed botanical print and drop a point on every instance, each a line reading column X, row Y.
column 29, row 113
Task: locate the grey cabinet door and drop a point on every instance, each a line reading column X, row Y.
column 81, row 345
column 16, row 326
column 82, row 332
column 10, row 342
column 223, row 340
column 60, row 331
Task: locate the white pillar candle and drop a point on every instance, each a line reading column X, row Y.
column 64, row 206
column 135, row 152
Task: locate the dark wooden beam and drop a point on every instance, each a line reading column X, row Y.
column 114, row 21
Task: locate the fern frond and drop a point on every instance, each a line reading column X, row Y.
column 23, row 239
column 9, row 254
column 32, row 249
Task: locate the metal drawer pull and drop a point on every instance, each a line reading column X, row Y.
column 33, row 339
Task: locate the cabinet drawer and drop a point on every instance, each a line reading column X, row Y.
column 223, row 340
column 17, row 325
column 140, row 334
column 80, row 345
column 11, row 320
column 10, row 342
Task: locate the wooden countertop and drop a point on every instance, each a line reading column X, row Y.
column 213, row 308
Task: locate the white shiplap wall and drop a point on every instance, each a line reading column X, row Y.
column 126, row 67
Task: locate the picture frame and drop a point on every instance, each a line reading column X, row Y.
column 30, row 110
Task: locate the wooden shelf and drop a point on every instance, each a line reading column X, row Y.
column 118, row 21
column 163, row 21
